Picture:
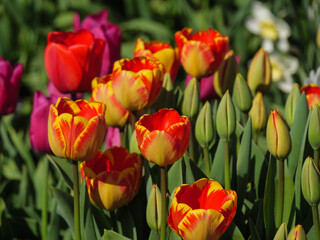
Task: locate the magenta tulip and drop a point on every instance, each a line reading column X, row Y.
column 113, row 137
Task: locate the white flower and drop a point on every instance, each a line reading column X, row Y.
column 283, row 67
column 269, row 27
column 314, row 77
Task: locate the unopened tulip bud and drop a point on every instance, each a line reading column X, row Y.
column 133, row 145
column 226, row 117
column 314, row 128
column 242, row 94
column 259, row 73
column 204, row 126
column 225, row 75
column 310, row 182
column 291, row 103
column 190, row 103
column 282, row 232
column 297, row 233
column 278, row 136
column 258, row 113
column 154, row 207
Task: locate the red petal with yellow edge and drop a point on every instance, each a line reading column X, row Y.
column 66, row 105
column 201, row 224
column 312, row 92
column 197, row 59
column 160, row 147
column 181, row 131
column 182, row 36
column 90, row 109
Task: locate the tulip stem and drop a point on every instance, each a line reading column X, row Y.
column 207, row 160
column 114, row 221
column 315, row 216
column 44, row 214
column 76, row 209
column 164, row 204
column 227, row 183
column 316, row 157
column 280, row 193
column 191, row 144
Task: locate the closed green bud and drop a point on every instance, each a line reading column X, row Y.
column 241, row 94
column 282, row 232
column 314, row 127
column 297, row 233
column 259, row 73
column 278, row 136
column 154, row 206
column 204, row 126
column 191, row 99
column 166, row 97
column 225, row 75
column 226, row 117
column 258, row 113
column 310, row 182
column 291, row 104
column 133, row 146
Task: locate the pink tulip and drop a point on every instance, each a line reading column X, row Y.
column 100, row 27
column 113, row 137
column 207, row 91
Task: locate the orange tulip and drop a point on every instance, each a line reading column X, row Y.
column 116, row 114
column 163, row 137
column 77, row 129
column 312, row 92
column 113, row 177
column 163, row 52
column 203, row 210
column 137, row 82
column 201, row 53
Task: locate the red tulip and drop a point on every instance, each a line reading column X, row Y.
column 113, row 177
column 201, row 53
column 163, row 137
column 72, row 60
column 203, row 210
column 163, row 52
column 312, row 92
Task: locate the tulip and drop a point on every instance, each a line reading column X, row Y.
column 113, row 137
column 291, row 104
column 242, row 94
column 258, row 113
column 160, row 51
column 10, row 78
column 76, row 129
column 312, row 92
column 207, row 91
column 154, row 208
column 314, row 128
column 116, row 114
column 203, row 210
column 282, row 232
column 205, row 126
column 99, row 25
column 137, row 82
column 163, row 137
column 113, row 177
column 39, row 122
column 259, row 73
column 310, row 182
column 191, row 99
column 201, row 53
column 72, row 60
column 297, row 233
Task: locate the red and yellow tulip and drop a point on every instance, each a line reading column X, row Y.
column 113, row 177
column 201, row 53
column 163, row 137
column 203, row 210
column 137, row 82
column 76, row 129
column 312, row 92
column 163, row 52
column 116, row 114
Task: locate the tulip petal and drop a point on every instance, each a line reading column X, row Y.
column 66, row 105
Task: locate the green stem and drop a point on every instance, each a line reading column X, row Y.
column 207, row 160
column 164, row 204
column 191, row 144
column 44, row 205
column 114, row 221
column 316, row 157
column 315, row 216
column 76, row 208
column 280, row 193
column 227, row 183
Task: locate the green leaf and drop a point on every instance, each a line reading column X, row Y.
column 175, row 175
column 253, row 230
column 125, row 222
column 193, row 173
column 217, row 171
column 233, row 233
column 111, row 235
column 2, row 209
column 64, row 167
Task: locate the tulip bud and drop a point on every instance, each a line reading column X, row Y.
column 310, row 182
column 297, row 233
column 204, row 126
column 242, row 94
column 282, row 232
column 133, row 146
column 258, row 113
column 166, row 96
column 291, row 103
column 226, row 117
column 190, row 103
column 314, row 128
column 154, row 208
column 259, row 73
column 318, row 37
column 226, row 73
column 278, row 136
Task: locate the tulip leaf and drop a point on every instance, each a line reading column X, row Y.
column 175, row 175
column 253, row 230
column 111, row 235
column 243, row 163
column 125, row 222
column 217, row 171
column 233, row 233
column 64, row 167
column 193, row 173
column 297, row 132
